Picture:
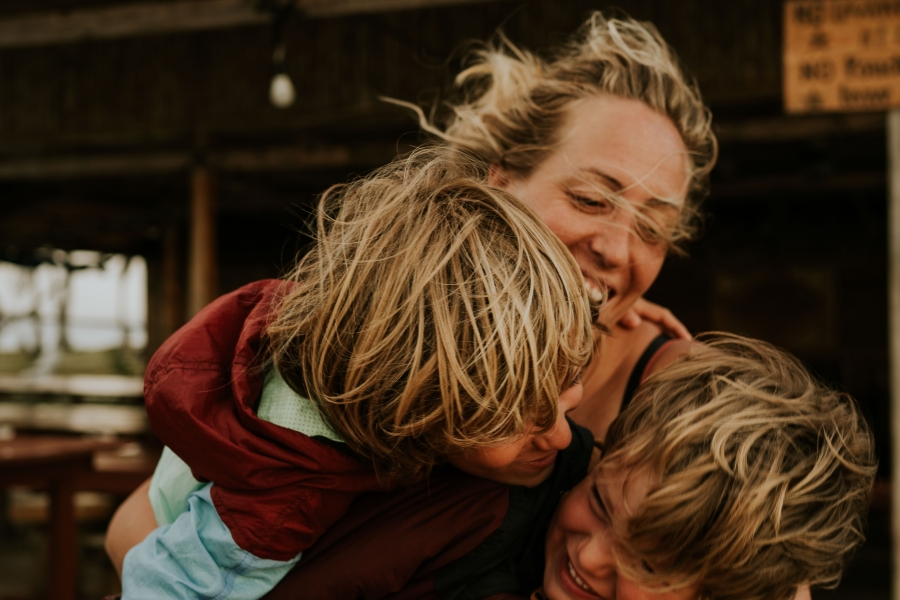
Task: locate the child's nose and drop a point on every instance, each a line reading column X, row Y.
column 557, row 438
column 597, row 565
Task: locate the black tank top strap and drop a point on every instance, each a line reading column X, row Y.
column 634, row 380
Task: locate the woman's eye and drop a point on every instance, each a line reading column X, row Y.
column 586, row 202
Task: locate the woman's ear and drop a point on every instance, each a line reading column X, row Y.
column 497, row 176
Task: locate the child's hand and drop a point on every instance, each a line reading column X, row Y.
column 644, row 310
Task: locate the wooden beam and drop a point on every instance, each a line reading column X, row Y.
column 203, row 260
column 276, row 158
column 56, row 167
column 152, row 18
column 337, row 8
column 45, row 28
column 788, row 128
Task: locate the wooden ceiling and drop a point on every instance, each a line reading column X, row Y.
column 69, row 23
column 113, row 102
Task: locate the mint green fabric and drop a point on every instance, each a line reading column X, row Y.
column 281, row 405
column 170, row 487
column 172, row 480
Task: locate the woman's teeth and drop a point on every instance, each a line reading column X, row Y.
column 594, row 292
column 577, row 579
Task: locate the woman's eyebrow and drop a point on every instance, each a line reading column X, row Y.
column 597, row 174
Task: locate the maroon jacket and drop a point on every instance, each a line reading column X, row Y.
column 454, row 536
column 276, row 489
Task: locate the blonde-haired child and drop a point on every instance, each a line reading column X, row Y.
column 733, row 475
column 437, row 319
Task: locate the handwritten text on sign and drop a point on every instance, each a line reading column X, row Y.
column 841, row 55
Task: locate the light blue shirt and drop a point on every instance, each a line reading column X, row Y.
column 196, row 557
column 193, row 554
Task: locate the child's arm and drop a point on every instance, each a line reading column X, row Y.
column 196, row 557
column 132, row 522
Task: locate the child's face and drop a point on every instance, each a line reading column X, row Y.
column 580, row 562
column 528, row 459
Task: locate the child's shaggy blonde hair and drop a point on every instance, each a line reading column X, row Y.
column 764, row 474
column 514, row 104
column 434, row 313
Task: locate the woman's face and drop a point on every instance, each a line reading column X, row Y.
column 614, row 145
column 580, row 562
column 528, row 459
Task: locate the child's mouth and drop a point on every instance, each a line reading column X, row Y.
column 574, row 582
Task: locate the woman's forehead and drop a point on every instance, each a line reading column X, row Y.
column 623, row 142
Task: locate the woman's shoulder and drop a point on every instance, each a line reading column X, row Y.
column 666, row 355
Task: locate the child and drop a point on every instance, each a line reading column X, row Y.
column 436, row 320
column 732, row 475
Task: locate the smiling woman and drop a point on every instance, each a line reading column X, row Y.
column 612, row 146
column 591, row 194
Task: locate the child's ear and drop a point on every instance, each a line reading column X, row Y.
column 498, row 177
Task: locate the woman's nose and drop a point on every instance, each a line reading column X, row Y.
column 612, row 243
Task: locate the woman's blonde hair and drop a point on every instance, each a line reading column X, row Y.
column 763, row 475
column 513, row 104
column 434, row 313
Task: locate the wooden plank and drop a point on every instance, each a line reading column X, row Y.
column 841, row 55
column 150, row 18
column 893, row 127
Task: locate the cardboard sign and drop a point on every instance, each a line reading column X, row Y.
column 841, row 55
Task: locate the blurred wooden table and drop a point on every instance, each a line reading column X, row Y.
column 55, row 463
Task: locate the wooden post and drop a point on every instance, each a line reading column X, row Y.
column 893, row 143
column 202, row 272
column 62, row 581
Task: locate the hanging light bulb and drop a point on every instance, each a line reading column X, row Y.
column 281, row 91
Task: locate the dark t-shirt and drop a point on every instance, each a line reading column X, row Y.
column 454, row 536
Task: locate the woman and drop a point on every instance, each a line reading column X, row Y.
column 612, row 147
